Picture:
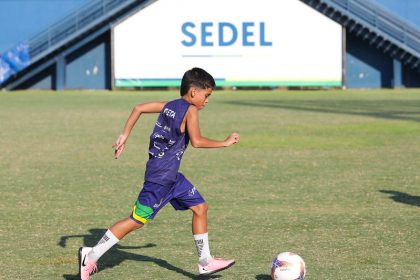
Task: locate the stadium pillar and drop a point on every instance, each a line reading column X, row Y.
column 397, row 73
column 343, row 57
column 60, row 73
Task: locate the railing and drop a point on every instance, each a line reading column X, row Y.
column 382, row 21
column 72, row 24
column 90, row 17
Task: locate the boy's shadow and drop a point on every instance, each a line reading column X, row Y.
column 117, row 255
column 403, row 197
column 263, row 277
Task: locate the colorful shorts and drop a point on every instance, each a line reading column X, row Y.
column 182, row 195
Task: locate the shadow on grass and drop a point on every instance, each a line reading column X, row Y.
column 117, row 255
column 263, row 277
column 403, row 197
column 406, row 110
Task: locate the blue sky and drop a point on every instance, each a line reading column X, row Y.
column 21, row 19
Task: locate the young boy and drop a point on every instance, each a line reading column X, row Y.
column 176, row 126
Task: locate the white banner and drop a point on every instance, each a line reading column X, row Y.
column 239, row 42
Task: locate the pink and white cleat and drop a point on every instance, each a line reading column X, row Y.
column 86, row 267
column 215, row 265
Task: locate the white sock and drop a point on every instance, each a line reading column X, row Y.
column 106, row 242
column 203, row 249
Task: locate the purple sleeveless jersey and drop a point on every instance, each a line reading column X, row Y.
column 167, row 144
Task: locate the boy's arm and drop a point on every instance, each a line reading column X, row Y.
column 199, row 141
column 151, row 107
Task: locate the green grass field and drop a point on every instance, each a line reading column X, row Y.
column 331, row 175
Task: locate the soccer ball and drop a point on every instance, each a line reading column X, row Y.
column 288, row 266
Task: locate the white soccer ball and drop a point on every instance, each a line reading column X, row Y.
column 288, row 266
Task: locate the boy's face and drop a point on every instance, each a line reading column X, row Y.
column 200, row 97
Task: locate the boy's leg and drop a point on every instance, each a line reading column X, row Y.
column 200, row 234
column 112, row 236
column 207, row 264
column 143, row 210
column 199, row 220
column 124, row 227
column 151, row 199
column 186, row 196
column 89, row 256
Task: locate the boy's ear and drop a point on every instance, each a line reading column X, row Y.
column 192, row 91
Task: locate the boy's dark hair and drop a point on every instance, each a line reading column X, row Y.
column 196, row 77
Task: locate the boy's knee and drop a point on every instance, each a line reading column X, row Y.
column 200, row 209
column 135, row 225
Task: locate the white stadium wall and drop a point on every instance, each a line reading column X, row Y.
column 240, row 42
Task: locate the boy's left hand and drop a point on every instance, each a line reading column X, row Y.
column 232, row 139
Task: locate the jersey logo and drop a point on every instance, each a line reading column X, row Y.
column 192, row 191
column 156, row 145
column 158, row 136
column 169, row 113
column 156, row 205
column 179, row 155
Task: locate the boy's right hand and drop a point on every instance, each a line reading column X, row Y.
column 119, row 146
column 232, row 139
